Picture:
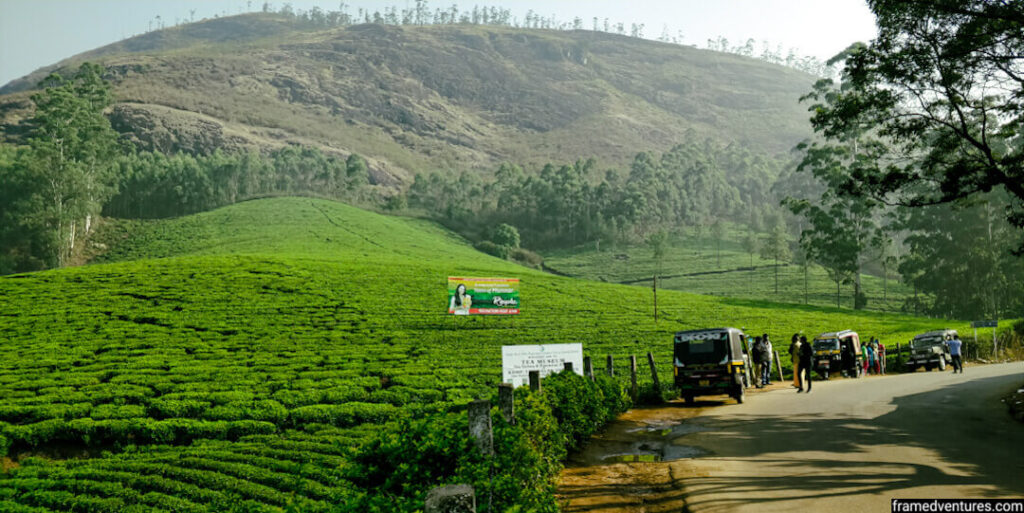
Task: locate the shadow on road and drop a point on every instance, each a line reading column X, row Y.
column 955, row 438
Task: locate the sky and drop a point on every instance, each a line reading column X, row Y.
column 37, row 33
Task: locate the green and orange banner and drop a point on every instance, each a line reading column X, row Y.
column 483, row 296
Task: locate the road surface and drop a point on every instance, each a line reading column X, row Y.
column 851, row 445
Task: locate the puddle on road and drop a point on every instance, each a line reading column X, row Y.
column 668, row 429
column 630, row 458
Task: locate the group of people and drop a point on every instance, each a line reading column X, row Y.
column 802, row 353
column 874, row 356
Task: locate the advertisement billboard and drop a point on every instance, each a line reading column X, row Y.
column 483, row 296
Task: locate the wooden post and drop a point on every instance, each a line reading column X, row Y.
column 506, row 403
column 535, row 381
column 654, row 372
column 610, row 367
column 480, row 426
column 778, row 365
column 451, row 499
column 654, row 287
column 899, row 357
column 588, row 368
column 633, row 390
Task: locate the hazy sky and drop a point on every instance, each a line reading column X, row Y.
column 36, row 33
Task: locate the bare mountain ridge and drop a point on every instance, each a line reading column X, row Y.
column 433, row 97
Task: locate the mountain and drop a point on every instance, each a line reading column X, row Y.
column 415, row 98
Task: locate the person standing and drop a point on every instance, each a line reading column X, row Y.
column 864, row 354
column 806, row 355
column 954, row 351
column 871, row 358
column 881, row 356
column 766, row 360
column 794, row 354
column 755, row 360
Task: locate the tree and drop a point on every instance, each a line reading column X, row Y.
column 658, row 242
column 776, row 247
column 960, row 258
column 941, row 85
column 73, row 148
column 751, row 244
column 506, row 235
column 718, row 232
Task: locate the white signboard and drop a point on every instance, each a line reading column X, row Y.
column 518, row 361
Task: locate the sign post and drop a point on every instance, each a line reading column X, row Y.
column 987, row 324
column 518, row 361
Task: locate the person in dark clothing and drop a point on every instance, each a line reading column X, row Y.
column 794, row 354
column 755, row 359
column 806, row 355
column 766, row 360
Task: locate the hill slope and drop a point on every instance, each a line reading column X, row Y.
column 231, row 357
column 414, row 98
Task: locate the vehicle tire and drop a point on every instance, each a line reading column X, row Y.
column 689, row 399
column 911, row 368
column 739, row 395
column 928, row 367
column 942, row 364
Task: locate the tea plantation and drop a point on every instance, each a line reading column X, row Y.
column 230, row 360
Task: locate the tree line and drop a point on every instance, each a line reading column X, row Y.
column 75, row 167
column 692, row 184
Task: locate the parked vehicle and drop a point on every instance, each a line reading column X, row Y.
column 711, row 362
column 929, row 350
column 830, row 349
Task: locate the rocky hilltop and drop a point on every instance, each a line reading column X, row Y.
column 412, row 98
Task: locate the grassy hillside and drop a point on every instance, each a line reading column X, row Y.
column 228, row 359
column 433, row 97
column 704, row 266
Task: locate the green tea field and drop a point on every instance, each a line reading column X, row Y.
column 229, row 360
column 726, row 270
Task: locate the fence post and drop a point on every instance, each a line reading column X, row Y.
column 654, row 372
column 610, row 367
column 506, row 402
column 778, row 365
column 899, row 356
column 535, row 381
column 451, row 499
column 588, row 368
column 633, row 391
column 480, row 426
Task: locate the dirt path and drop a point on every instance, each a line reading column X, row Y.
column 637, row 464
column 851, row 445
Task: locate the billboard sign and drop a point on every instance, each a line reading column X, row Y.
column 518, row 361
column 483, row 296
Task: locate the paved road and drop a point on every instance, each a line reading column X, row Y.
column 851, row 445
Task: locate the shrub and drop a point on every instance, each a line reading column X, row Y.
column 493, row 249
column 506, row 235
column 396, row 468
column 526, row 257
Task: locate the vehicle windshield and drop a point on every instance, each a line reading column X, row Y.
column 702, row 347
column 826, row 343
column 926, row 342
